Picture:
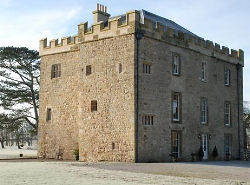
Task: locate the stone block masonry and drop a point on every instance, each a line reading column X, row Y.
column 112, row 95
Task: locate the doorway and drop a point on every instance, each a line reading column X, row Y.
column 204, row 145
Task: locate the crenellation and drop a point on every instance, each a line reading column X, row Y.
column 191, row 39
column 240, row 55
column 53, row 43
column 170, row 32
column 225, row 50
column 217, row 47
column 126, row 24
column 233, row 53
column 209, row 44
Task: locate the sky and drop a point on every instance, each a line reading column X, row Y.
column 226, row 22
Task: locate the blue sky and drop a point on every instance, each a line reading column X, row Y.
column 227, row 22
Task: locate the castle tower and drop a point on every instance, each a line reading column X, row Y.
column 138, row 87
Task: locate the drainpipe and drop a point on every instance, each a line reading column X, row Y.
column 138, row 37
column 238, row 103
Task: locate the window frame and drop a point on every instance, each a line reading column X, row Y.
column 178, row 141
column 229, row 148
column 178, row 73
column 179, row 104
column 48, row 114
column 146, row 68
column 227, row 115
column 55, row 70
column 203, row 71
column 204, row 99
column 147, row 120
column 227, row 77
column 93, row 106
column 88, row 70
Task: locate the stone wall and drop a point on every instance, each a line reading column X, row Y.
column 155, row 91
column 62, row 96
column 108, row 133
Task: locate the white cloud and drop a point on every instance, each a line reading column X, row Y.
column 28, row 29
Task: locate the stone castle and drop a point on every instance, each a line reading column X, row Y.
column 139, row 88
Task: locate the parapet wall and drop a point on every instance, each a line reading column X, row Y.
column 130, row 23
column 112, row 28
column 158, row 31
column 67, row 44
column 117, row 26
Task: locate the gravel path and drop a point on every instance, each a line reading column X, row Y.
column 10, row 153
column 76, row 173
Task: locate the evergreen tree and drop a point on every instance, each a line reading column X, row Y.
column 19, row 84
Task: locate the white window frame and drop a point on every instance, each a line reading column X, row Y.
column 227, row 114
column 176, row 106
column 176, row 64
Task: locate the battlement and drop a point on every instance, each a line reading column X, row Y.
column 132, row 22
column 161, row 32
column 66, row 44
column 116, row 26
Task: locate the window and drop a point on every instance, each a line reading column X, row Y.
column 120, row 68
column 204, row 110
column 113, row 145
column 146, row 68
column 227, row 113
column 176, row 143
column 147, row 120
column 93, row 105
column 48, row 117
column 176, row 64
column 227, row 77
column 88, row 70
column 176, row 109
column 203, row 71
column 55, row 70
column 227, row 143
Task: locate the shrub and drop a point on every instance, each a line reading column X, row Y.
column 76, row 153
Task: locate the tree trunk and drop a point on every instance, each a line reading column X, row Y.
column 2, row 143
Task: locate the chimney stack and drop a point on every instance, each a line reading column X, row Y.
column 100, row 14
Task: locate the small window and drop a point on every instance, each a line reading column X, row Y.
column 93, row 105
column 147, row 120
column 203, row 71
column 48, row 117
column 176, row 64
column 146, row 68
column 113, row 145
column 88, row 70
column 227, row 77
column 176, row 109
column 55, row 71
column 227, row 114
column 120, row 68
column 204, row 110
